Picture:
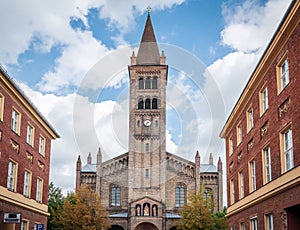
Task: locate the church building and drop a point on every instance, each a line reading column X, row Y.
column 146, row 187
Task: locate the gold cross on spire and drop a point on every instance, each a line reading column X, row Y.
column 149, row 9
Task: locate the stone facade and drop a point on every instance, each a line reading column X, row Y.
column 146, row 187
column 267, row 195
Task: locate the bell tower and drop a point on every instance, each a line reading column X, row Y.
column 147, row 119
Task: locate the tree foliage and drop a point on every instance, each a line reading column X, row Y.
column 55, row 204
column 197, row 215
column 83, row 210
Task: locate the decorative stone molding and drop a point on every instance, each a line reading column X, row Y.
column 284, row 107
column 15, row 145
column 264, row 129
column 250, row 144
column 41, row 165
column 29, row 156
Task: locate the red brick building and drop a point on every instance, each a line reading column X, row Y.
column 25, row 144
column 262, row 137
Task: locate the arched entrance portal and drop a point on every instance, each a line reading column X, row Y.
column 146, row 226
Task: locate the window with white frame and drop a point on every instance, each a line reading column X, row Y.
column 269, row 221
column 42, row 145
column 39, row 189
column 15, row 121
column 239, row 133
column 267, row 165
column 232, row 191
column 250, row 119
column 284, row 74
column 230, row 145
column 1, row 107
column 288, row 149
column 264, row 103
column 242, row 226
column 241, row 185
column 30, row 134
column 252, row 175
column 24, row 225
column 27, row 183
column 12, row 176
column 253, row 224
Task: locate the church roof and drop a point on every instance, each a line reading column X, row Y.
column 208, row 168
column 148, row 53
column 172, row 216
column 119, row 215
column 89, row 168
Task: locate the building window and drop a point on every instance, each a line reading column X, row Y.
column 148, row 103
column 286, row 141
column 232, row 191
column 141, row 103
column 179, row 195
column 242, row 226
column 239, row 134
column 148, row 83
column 30, row 134
column 253, row 224
column 241, row 185
column 138, row 123
column 141, row 83
column 15, row 121
column 263, row 98
column 39, row 190
column 147, row 148
column 24, row 225
column 230, row 146
column 267, row 165
column 12, row 176
column 154, row 83
column 283, row 74
column 269, row 222
column 27, row 183
column 42, row 146
column 1, row 107
column 249, row 119
column 154, row 103
column 115, row 195
column 252, row 176
column 146, row 173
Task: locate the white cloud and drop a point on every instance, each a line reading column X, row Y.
column 249, row 26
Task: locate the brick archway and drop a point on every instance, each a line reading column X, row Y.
column 146, row 226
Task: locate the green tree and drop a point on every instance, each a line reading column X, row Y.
column 197, row 215
column 83, row 210
column 55, row 204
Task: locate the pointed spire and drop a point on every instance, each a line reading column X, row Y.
column 211, row 159
column 148, row 50
column 197, row 159
column 89, row 158
column 219, row 164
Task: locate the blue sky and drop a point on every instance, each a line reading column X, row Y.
column 57, row 50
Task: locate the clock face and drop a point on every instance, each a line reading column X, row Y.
column 147, row 122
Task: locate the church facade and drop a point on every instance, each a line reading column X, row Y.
column 147, row 187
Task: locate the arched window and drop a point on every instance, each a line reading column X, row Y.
column 147, row 148
column 154, row 83
column 148, row 83
column 148, row 103
column 154, row 210
column 156, row 123
column 141, row 83
column 138, row 210
column 154, row 103
column 138, row 123
column 115, row 196
column 179, row 195
column 141, row 103
column 209, row 198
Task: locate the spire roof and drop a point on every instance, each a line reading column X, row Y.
column 148, row 53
